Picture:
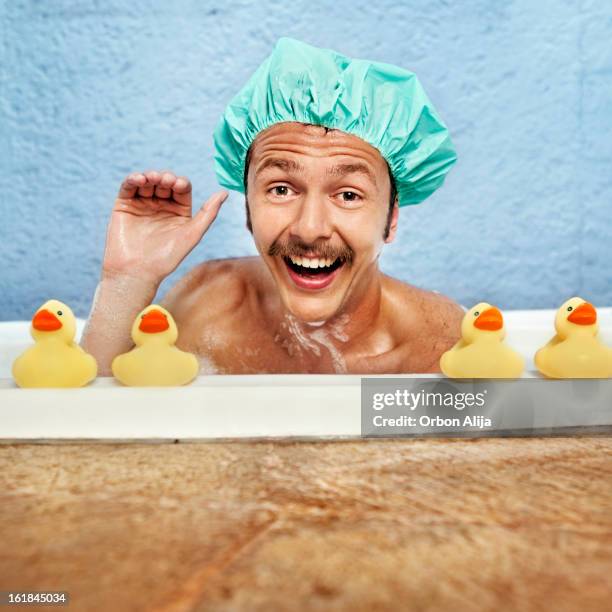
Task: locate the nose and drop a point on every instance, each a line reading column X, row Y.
column 312, row 221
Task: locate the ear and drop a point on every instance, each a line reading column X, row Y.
column 393, row 225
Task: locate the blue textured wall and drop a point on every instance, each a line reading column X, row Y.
column 93, row 90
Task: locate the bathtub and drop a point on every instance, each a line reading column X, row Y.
column 218, row 406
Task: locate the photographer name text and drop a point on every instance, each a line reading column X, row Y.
column 424, row 420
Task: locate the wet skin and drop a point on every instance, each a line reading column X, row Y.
column 312, row 194
column 315, row 197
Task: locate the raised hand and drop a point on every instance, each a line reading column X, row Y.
column 152, row 228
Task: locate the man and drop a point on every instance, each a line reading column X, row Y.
column 325, row 149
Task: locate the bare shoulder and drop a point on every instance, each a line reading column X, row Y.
column 424, row 320
column 417, row 304
column 212, row 289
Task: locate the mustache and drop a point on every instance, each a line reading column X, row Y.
column 322, row 250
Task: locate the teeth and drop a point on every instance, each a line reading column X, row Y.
column 313, row 262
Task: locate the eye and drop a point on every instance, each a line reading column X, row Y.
column 476, row 313
column 570, row 308
column 60, row 313
column 350, row 196
column 280, row 190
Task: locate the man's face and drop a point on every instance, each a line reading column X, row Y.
column 319, row 203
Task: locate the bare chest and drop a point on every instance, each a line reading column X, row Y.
column 245, row 348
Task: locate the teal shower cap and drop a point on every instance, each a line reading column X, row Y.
column 382, row 104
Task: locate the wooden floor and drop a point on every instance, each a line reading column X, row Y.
column 488, row 524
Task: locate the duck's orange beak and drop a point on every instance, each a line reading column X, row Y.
column 46, row 321
column 153, row 322
column 585, row 314
column 490, row 319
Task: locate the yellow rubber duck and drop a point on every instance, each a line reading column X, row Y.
column 155, row 361
column 481, row 353
column 575, row 351
column 55, row 360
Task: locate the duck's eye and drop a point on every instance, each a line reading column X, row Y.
column 60, row 313
column 476, row 313
column 570, row 308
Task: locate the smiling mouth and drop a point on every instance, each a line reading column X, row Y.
column 312, row 273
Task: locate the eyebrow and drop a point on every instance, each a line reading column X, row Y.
column 288, row 165
column 344, row 169
column 291, row 166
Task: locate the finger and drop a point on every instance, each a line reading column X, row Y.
column 153, row 177
column 207, row 214
column 181, row 192
column 130, row 185
column 146, row 191
column 162, row 192
column 166, row 182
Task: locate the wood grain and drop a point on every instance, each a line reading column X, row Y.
column 487, row 524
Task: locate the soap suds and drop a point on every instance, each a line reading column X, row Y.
column 115, row 305
column 294, row 339
column 336, row 330
column 116, row 310
column 204, row 349
column 338, row 361
column 297, row 340
column 207, row 366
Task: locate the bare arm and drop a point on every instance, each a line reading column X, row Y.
column 116, row 303
column 150, row 232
